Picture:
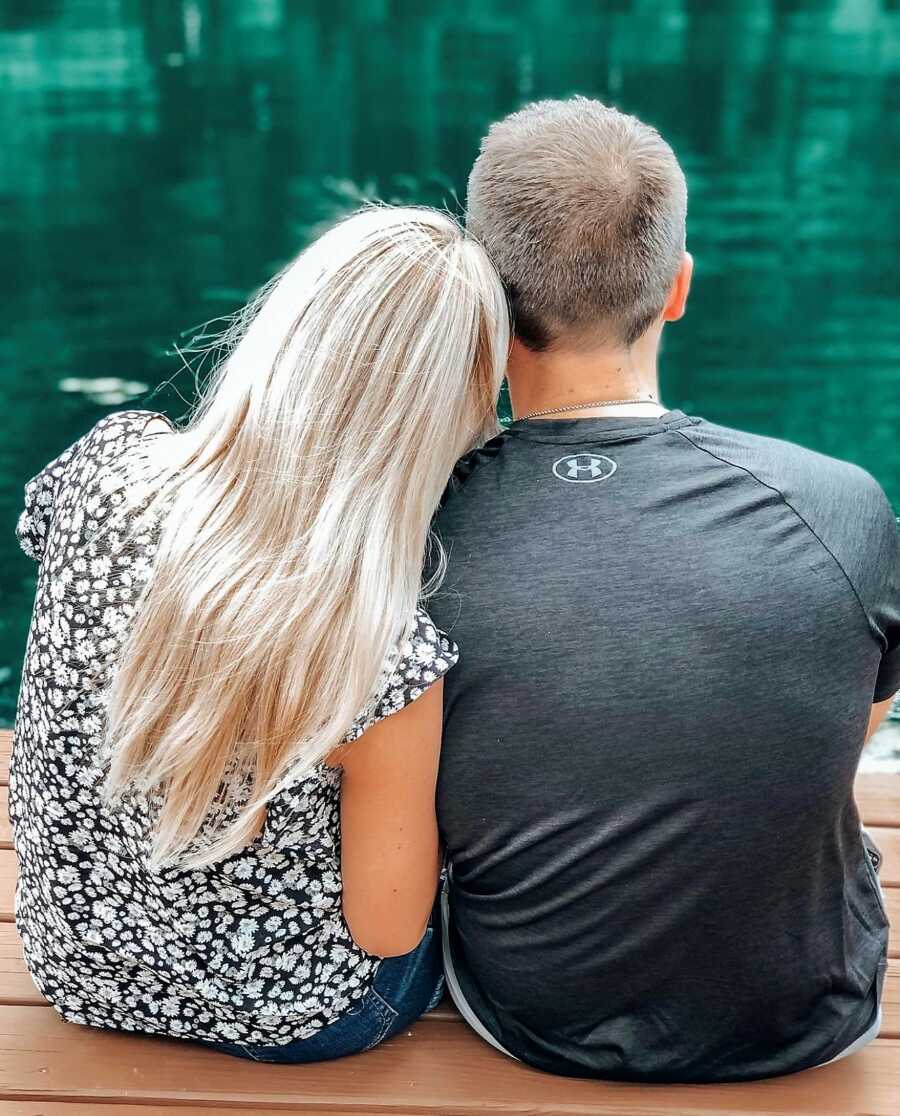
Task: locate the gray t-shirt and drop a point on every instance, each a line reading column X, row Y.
column 671, row 636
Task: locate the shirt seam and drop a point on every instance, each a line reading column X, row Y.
column 772, row 488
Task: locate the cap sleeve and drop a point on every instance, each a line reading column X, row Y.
column 99, row 443
column 425, row 656
column 886, row 604
column 34, row 522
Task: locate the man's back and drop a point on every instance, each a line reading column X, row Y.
column 671, row 636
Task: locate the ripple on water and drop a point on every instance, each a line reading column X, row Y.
column 103, row 389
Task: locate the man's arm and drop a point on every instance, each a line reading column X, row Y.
column 879, row 712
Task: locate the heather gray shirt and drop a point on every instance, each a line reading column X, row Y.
column 671, row 636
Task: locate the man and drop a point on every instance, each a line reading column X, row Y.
column 672, row 635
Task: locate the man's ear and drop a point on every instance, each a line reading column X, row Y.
column 674, row 308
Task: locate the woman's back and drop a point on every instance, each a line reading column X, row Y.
column 253, row 948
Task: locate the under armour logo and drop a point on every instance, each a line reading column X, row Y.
column 584, row 468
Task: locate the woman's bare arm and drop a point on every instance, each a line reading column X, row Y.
column 390, row 859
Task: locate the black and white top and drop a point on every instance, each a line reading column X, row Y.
column 253, row 949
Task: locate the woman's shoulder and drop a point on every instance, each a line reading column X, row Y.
column 108, row 437
column 66, row 478
column 109, row 444
column 124, row 426
column 423, row 656
column 108, row 457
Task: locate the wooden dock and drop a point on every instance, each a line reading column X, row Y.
column 50, row 1068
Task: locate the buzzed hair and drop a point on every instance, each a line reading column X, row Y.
column 582, row 209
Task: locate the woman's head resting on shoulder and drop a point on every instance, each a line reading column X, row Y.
column 298, row 503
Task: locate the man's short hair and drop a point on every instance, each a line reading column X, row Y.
column 582, row 209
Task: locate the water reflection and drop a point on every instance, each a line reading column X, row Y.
column 161, row 158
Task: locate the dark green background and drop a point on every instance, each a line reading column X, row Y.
column 161, row 158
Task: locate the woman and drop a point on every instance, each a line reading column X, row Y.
column 222, row 783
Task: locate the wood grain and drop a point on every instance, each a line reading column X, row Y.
column 74, row 1108
column 7, row 884
column 888, row 841
column 16, row 985
column 435, row 1068
column 878, row 799
column 5, row 826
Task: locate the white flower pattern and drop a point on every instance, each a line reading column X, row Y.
column 253, row 949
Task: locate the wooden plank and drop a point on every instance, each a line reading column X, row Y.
column 5, row 825
column 892, row 907
column 890, row 1005
column 75, row 1108
column 5, row 749
column 878, row 799
column 442, row 1068
column 8, row 873
column 888, row 841
column 16, row 985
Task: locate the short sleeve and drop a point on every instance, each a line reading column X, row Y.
column 885, row 608
column 425, row 656
column 34, row 522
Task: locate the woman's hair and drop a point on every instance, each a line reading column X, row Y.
column 298, row 503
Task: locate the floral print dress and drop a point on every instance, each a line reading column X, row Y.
column 253, row 949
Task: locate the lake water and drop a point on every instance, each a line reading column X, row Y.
column 160, row 159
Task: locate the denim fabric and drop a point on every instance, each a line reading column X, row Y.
column 404, row 989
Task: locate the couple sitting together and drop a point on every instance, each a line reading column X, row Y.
column 613, row 665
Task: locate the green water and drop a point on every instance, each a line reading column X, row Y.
column 160, row 158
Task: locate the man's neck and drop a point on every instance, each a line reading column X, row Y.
column 564, row 378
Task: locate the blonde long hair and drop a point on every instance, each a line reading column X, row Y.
column 298, row 503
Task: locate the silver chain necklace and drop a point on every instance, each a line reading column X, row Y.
column 587, row 406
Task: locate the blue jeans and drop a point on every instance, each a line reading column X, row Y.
column 404, row 988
